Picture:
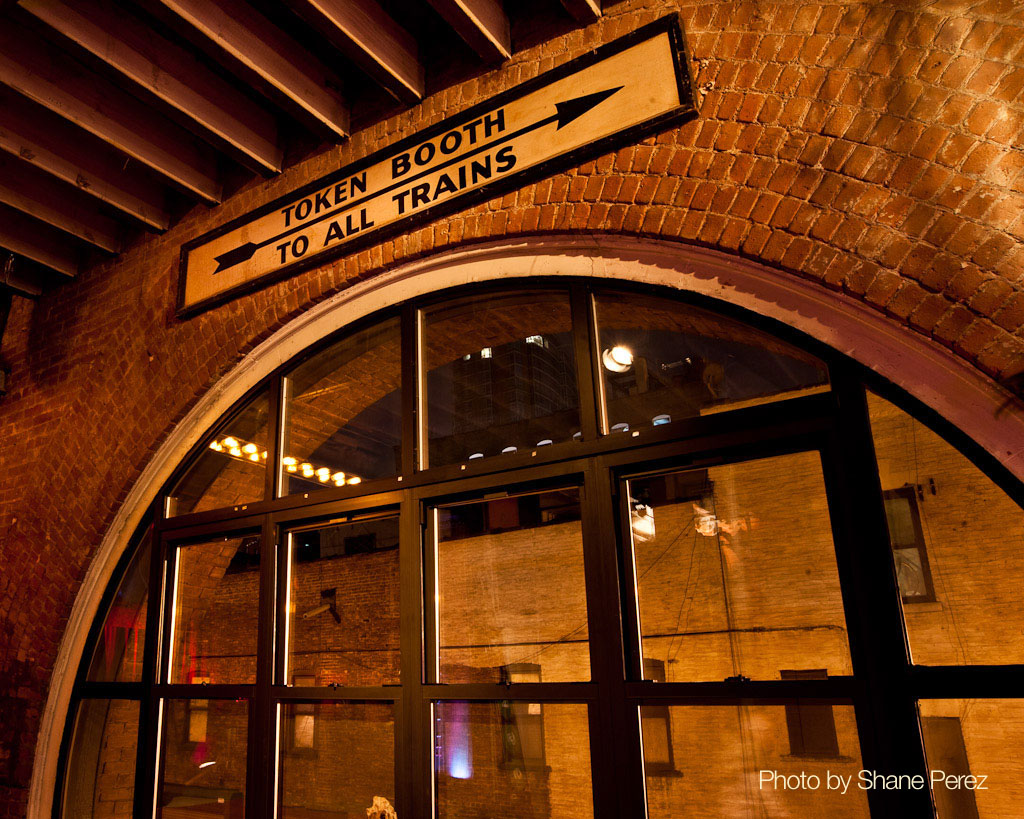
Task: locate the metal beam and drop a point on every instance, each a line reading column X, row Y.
column 372, row 40
column 168, row 72
column 481, row 23
column 50, row 144
column 41, row 244
column 24, row 188
column 585, row 11
column 39, row 71
column 251, row 40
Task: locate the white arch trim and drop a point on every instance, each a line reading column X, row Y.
column 948, row 384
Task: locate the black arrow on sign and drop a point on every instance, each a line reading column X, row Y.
column 565, row 112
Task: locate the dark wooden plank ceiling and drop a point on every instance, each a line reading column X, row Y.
column 117, row 117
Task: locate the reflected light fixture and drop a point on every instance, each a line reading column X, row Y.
column 618, row 359
column 641, row 520
column 248, row 451
column 705, row 522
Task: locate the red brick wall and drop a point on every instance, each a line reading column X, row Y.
column 868, row 146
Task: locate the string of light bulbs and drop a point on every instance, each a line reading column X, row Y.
column 247, row 451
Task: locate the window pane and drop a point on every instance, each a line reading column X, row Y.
column 480, row 768
column 343, row 611
column 961, row 575
column 232, row 468
column 736, row 571
column 203, row 760
column 974, row 738
column 343, row 412
column 744, row 753
column 119, row 648
column 662, row 361
column 500, row 376
column 511, row 588
column 101, row 769
column 349, row 766
column 216, row 593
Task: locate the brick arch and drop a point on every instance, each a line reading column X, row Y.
column 872, row 146
column 927, row 370
column 868, row 149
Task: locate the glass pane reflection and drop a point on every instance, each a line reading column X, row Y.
column 663, row 361
column 213, row 639
column 491, row 760
column 958, row 546
column 231, row 469
column 119, row 649
column 343, row 607
column 974, row 738
column 738, row 747
column 343, row 412
column 500, row 376
column 511, row 589
column 337, row 760
column 203, row 761
column 736, row 571
column 100, row 779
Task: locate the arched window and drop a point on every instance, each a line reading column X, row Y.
column 560, row 550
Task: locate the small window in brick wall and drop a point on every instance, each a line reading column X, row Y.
column 198, row 715
column 522, row 723
column 303, row 733
column 812, row 728
column 913, row 573
column 656, row 727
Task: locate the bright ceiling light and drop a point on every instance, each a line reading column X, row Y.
column 618, row 359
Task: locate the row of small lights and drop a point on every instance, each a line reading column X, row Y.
column 244, row 451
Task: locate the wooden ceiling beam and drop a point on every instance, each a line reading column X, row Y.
column 38, row 243
column 24, row 188
column 42, row 139
column 368, row 36
column 265, row 51
column 170, row 73
column 481, row 23
column 584, row 11
column 37, row 70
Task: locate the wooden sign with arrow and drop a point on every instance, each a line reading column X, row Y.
column 620, row 92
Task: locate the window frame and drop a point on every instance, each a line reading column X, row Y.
column 885, row 687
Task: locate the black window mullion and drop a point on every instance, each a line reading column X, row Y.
column 632, row 642
column 887, row 716
column 275, row 432
column 263, row 714
column 413, row 759
column 149, row 716
column 614, row 740
column 587, row 374
column 282, row 559
column 413, row 438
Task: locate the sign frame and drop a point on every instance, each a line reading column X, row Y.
column 671, row 25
